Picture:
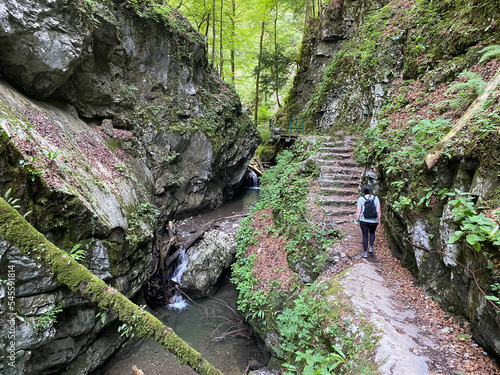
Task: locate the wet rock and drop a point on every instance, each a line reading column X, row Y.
column 206, row 261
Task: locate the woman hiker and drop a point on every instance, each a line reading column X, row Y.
column 368, row 216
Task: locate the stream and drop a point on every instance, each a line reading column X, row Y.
column 201, row 325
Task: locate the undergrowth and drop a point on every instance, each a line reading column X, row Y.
column 316, row 333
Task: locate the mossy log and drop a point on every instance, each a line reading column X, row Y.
column 17, row 231
column 434, row 155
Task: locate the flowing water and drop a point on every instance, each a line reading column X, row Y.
column 200, row 326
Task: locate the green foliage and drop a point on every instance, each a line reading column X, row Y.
column 143, row 213
column 314, row 337
column 397, row 150
column 32, row 167
column 76, row 253
column 274, row 70
column 465, row 92
column 11, row 200
column 478, row 229
column 126, row 330
column 317, row 362
column 490, row 52
column 47, row 319
column 102, row 315
column 240, row 33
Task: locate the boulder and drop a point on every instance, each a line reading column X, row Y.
column 206, row 262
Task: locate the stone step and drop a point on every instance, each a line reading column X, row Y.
column 338, row 201
column 340, row 183
column 334, row 156
column 337, row 220
column 334, row 170
column 337, row 150
column 340, row 212
column 334, row 144
column 339, row 163
column 332, row 191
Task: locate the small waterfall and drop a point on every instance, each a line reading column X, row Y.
column 177, row 302
column 251, row 180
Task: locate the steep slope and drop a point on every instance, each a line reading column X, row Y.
column 404, row 79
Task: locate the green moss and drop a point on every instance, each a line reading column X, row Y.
column 17, row 231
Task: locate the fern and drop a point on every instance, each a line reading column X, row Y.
column 490, row 52
column 465, row 92
column 474, row 82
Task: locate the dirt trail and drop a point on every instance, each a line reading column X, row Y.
column 417, row 337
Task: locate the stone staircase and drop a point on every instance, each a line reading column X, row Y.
column 339, row 179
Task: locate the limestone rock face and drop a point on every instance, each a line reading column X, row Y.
column 138, row 72
column 445, row 270
column 206, row 261
column 352, row 102
column 111, row 122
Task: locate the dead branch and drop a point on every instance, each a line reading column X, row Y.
column 256, row 169
column 247, row 369
column 177, row 287
column 191, row 240
column 231, row 333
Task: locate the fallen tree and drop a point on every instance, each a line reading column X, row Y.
column 18, row 232
column 436, row 152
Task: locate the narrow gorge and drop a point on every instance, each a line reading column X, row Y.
column 121, row 118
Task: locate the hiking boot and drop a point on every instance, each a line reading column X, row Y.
column 370, row 249
column 364, row 254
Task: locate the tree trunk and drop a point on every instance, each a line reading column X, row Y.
column 18, row 232
column 221, row 57
column 258, row 74
column 307, row 15
column 233, row 37
column 213, row 32
column 208, row 27
column 276, row 49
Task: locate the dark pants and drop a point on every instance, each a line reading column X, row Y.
column 365, row 229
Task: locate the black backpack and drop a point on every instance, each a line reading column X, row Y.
column 370, row 211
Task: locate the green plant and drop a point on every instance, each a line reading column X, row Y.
column 76, row 253
column 317, row 362
column 11, row 200
column 31, row 166
column 48, row 318
column 477, row 228
column 103, row 315
column 171, row 156
column 465, row 92
column 51, row 155
column 490, row 52
column 126, row 330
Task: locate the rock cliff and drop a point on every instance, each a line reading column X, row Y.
column 402, row 76
column 112, row 122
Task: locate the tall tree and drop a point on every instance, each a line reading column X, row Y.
column 233, row 37
column 276, row 45
column 256, row 107
column 221, row 56
column 213, row 32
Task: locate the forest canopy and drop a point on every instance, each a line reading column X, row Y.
column 253, row 44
